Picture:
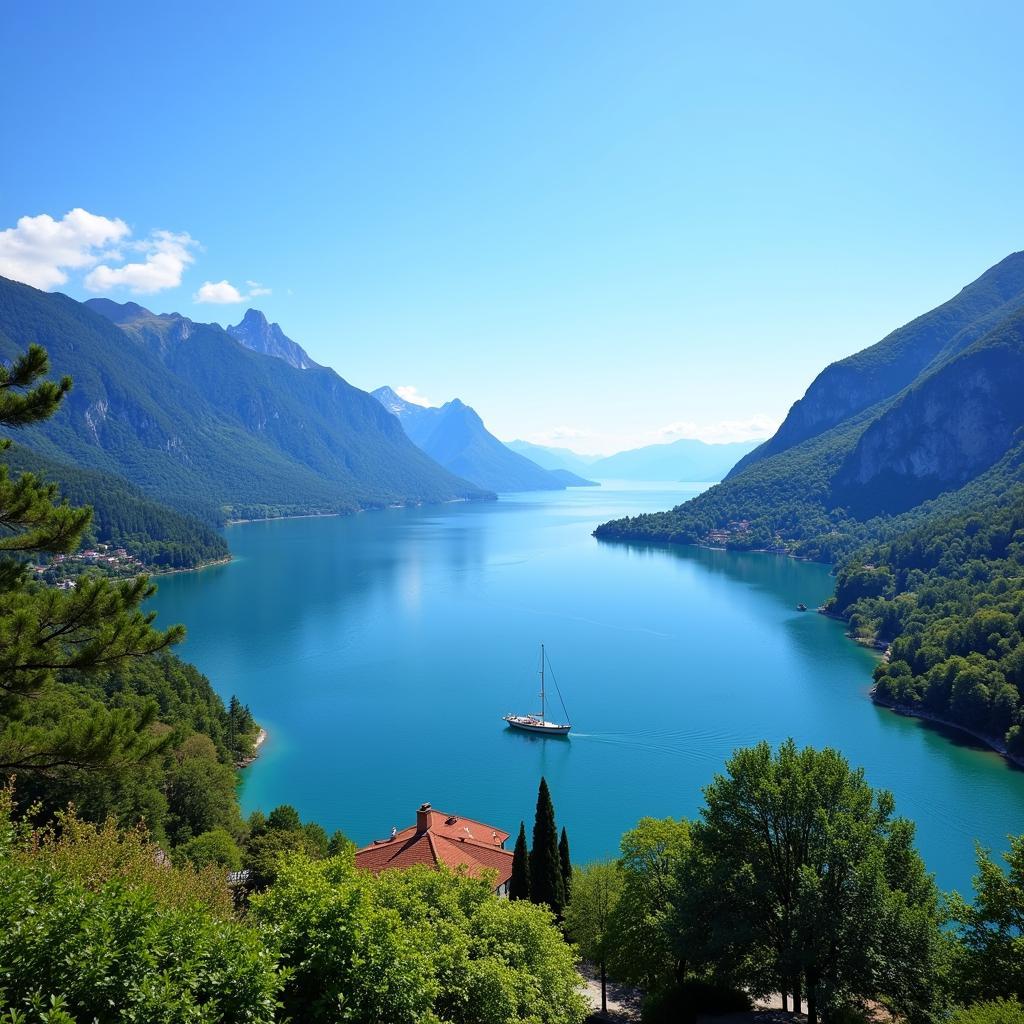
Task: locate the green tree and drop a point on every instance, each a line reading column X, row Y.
column 546, row 884
column 201, row 790
column 44, row 632
column 339, row 844
column 596, row 892
column 645, row 952
column 800, row 872
column 565, row 864
column 214, row 847
column 412, row 946
column 519, row 883
column 990, row 961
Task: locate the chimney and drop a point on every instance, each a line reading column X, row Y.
column 423, row 819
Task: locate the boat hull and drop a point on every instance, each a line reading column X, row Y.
column 536, row 726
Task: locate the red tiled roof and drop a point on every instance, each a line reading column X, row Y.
column 449, row 840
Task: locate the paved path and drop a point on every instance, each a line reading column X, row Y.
column 623, row 1001
column 624, row 1005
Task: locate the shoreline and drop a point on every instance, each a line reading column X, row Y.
column 993, row 743
column 246, row 761
column 369, row 508
column 194, row 568
column 297, row 515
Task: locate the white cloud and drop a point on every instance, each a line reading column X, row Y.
column 39, row 250
column 224, row 293
column 167, row 254
column 218, row 292
column 410, row 394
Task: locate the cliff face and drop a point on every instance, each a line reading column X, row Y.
column 951, row 426
column 851, row 385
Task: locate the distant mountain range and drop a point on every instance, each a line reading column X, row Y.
column 197, row 421
column 686, row 459
column 554, row 458
column 455, row 436
column 928, row 421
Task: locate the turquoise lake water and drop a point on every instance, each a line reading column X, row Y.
column 380, row 651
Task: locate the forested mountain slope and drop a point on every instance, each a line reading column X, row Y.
column 456, row 437
column 124, row 517
column 199, row 422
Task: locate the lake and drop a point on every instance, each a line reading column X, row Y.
column 380, row 651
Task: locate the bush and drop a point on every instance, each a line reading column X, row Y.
column 997, row 1011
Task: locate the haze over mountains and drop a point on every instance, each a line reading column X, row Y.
column 455, row 436
column 684, row 460
column 928, row 421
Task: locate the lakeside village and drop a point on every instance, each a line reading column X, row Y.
column 61, row 571
column 738, row 534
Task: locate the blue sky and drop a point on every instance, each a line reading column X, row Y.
column 602, row 224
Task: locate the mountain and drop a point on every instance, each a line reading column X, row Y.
column 686, row 459
column 927, row 422
column 199, row 422
column 456, row 437
column 255, row 333
column 882, row 371
column 553, row 458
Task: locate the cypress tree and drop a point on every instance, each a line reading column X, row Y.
column 566, row 864
column 546, row 884
column 519, row 883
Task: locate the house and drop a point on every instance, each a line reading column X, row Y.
column 442, row 839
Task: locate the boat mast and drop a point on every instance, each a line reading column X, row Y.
column 542, row 683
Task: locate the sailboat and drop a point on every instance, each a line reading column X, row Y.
column 537, row 722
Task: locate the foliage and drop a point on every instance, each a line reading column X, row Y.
column 546, row 885
column 216, row 847
column 799, row 871
column 950, row 598
column 413, row 945
column 281, row 834
column 95, row 923
column 644, row 951
column 182, row 787
column 519, row 882
column 990, row 961
column 995, row 1011
column 589, row 914
column 565, row 864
